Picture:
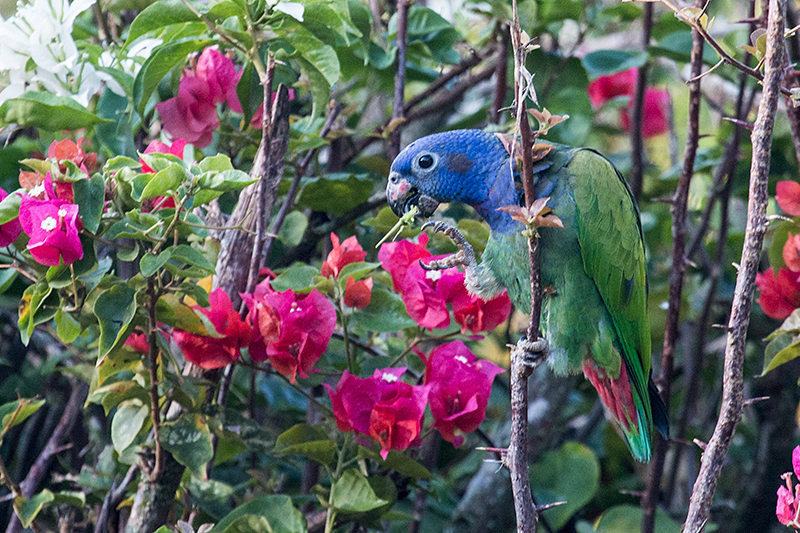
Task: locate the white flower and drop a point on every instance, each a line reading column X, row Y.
column 388, row 378
column 49, row 224
column 128, row 61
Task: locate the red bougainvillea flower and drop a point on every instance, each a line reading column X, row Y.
column 460, row 388
column 425, row 293
column 473, row 313
column 358, row 294
column 655, row 111
column 157, row 147
column 10, row 230
column 780, row 294
column 788, row 507
column 347, row 252
column 791, row 253
column 787, row 194
column 192, row 115
column 138, row 342
column 605, row 88
column 396, row 257
column 656, row 101
column 382, row 407
column 53, row 228
column 292, row 330
column 215, row 352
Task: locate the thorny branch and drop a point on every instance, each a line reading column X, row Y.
column 732, row 398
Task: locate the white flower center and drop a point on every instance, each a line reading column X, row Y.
column 62, row 212
column 461, row 358
column 434, row 275
column 388, row 378
column 39, row 189
column 49, row 224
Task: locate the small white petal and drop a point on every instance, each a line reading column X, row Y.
column 49, row 224
column 388, row 378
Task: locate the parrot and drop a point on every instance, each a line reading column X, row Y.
column 593, row 269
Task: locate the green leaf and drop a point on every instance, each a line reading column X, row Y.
column 27, row 509
column 67, row 327
column 570, row 474
column 164, row 181
column 112, row 395
column 188, row 439
column 7, row 411
column 219, row 162
column 307, row 441
column 336, row 193
column 158, row 15
column 249, row 91
column 386, row 313
column 48, row 112
column 297, row 277
column 127, row 422
column 32, row 308
column 171, row 311
column 119, row 360
column 358, row 270
column 227, row 180
column 293, row 228
column 281, row 515
column 161, row 61
column 385, row 220
column 193, row 257
column 352, row 493
column 397, row 461
column 628, row 519
column 90, row 195
column 149, row 263
column 9, row 207
column 7, row 277
column 605, row 62
column 114, row 310
column 782, row 349
column 119, row 162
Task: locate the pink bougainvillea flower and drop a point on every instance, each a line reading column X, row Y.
column 358, row 294
column 215, row 352
column 605, row 88
column 788, row 506
column 382, row 407
column 425, row 296
column 655, row 106
column 655, row 111
column 138, row 342
column 192, row 115
column 396, row 257
column 53, row 228
column 460, row 388
column 780, row 294
column 473, row 313
column 349, row 251
column 787, row 194
column 791, row 253
column 218, row 71
column 291, row 330
column 10, row 230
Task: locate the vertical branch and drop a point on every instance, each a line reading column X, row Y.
column 732, row 397
column 637, row 112
column 517, row 455
column 399, row 79
column 155, row 409
column 677, row 271
column 500, row 73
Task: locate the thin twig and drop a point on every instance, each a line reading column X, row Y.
column 637, row 110
column 677, row 271
column 732, row 398
column 155, row 409
column 399, row 78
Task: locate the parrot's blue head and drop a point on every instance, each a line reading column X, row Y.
column 455, row 166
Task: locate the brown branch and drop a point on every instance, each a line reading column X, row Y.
column 637, row 110
column 155, row 409
column 732, row 397
column 517, row 455
column 501, row 74
column 399, row 78
column 677, row 271
column 473, row 60
column 452, row 95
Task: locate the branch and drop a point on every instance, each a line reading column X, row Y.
column 501, row 74
column 677, row 271
column 399, row 78
column 637, row 111
column 732, row 396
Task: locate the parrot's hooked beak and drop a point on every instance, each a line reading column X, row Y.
column 401, row 195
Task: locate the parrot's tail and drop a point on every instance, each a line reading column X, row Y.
column 629, row 408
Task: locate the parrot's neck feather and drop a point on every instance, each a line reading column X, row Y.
column 502, row 193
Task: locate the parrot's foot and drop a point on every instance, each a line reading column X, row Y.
column 533, row 352
column 465, row 255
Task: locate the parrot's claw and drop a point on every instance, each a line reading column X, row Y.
column 465, row 255
column 533, row 352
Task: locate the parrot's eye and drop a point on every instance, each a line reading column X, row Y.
column 425, row 161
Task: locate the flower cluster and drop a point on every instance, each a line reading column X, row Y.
column 788, row 507
column 192, row 114
column 357, row 294
column 428, row 293
column 780, row 292
column 656, row 101
column 390, row 411
column 37, row 50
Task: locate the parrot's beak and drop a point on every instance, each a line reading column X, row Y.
column 401, row 196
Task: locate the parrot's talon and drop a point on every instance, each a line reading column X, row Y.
column 533, row 352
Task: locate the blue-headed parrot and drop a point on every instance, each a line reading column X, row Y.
column 593, row 270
